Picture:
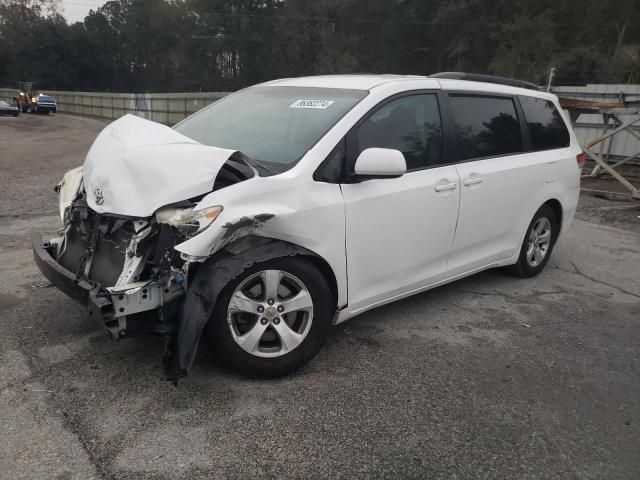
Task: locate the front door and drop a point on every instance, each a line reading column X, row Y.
column 399, row 231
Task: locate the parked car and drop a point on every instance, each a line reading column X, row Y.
column 297, row 204
column 6, row 109
column 44, row 104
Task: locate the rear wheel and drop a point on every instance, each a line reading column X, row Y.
column 537, row 245
column 273, row 318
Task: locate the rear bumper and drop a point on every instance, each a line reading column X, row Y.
column 75, row 287
column 569, row 207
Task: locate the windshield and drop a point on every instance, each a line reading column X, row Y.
column 275, row 126
column 3, row 103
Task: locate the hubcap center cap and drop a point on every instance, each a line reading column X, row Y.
column 270, row 312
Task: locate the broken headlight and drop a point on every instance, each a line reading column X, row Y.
column 188, row 221
column 68, row 189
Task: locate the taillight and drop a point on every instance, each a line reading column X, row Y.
column 580, row 158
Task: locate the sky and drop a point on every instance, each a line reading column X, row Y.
column 76, row 10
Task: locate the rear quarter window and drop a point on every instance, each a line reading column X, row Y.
column 485, row 126
column 546, row 126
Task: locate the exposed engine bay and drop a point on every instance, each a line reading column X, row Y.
column 125, row 268
column 131, row 261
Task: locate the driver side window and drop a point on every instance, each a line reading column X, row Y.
column 410, row 124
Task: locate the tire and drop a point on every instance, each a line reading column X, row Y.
column 531, row 262
column 16, row 113
column 270, row 357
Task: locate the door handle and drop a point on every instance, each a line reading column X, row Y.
column 472, row 181
column 446, row 186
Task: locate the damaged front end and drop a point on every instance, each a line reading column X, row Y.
column 120, row 267
column 125, row 267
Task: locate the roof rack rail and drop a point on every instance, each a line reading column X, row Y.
column 478, row 77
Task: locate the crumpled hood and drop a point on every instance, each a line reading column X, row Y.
column 136, row 166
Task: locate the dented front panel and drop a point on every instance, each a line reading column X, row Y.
column 136, row 166
column 303, row 212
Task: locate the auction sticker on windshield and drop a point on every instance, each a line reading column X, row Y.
column 316, row 104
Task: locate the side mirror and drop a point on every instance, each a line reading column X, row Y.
column 380, row 163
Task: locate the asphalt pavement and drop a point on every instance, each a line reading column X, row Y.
column 488, row 377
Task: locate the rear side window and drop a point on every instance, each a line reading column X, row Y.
column 485, row 126
column 546, row 127
column 410, row 124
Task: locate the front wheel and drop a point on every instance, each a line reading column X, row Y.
column 537, row 245
column 273, row 318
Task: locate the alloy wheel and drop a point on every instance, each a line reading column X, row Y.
column 539, row 242
column 270, row 313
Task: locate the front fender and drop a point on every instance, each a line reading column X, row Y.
column 249, row 208
column 292, row 209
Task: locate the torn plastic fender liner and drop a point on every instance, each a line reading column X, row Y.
column 212, row 276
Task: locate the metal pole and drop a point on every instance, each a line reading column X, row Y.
column 596, row 168
column 612, row 132
column 611, row 139
column 625, row 160
column 552, row 73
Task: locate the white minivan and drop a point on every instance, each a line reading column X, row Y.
column 296, row 204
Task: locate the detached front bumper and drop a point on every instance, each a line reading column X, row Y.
column 75, row 287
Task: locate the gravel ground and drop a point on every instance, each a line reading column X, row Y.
column 489, row 377
column 621, row 212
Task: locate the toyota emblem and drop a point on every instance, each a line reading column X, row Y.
column 99, row 196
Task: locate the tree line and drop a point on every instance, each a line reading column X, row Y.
column 190, row 45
